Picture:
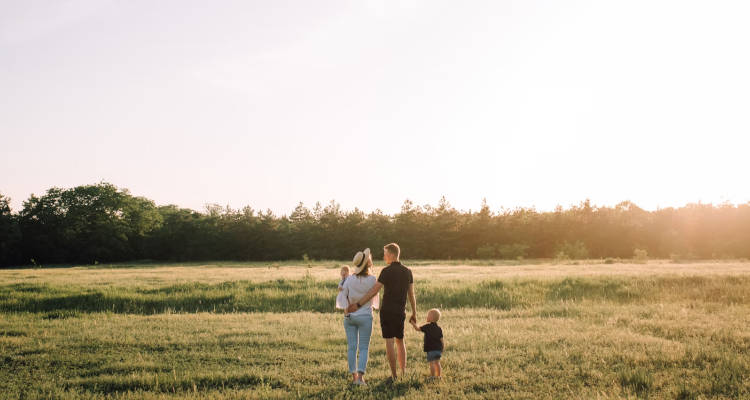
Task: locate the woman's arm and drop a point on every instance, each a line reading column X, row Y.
column 375, row 289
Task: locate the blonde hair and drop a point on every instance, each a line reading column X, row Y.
column 435, row 313
column 346, row 267
column 393, row 249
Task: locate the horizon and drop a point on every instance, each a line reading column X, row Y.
column 323, row 204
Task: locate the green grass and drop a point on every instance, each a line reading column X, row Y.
column 309, row 294
column 69, row 334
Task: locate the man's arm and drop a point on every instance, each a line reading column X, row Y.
column 413, row 303
column 375, row 289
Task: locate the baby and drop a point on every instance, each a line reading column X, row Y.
column 433, row 342
column 341, row 301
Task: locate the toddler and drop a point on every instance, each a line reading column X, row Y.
column 433, row 342
column 341, row 301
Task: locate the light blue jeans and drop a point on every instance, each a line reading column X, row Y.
column 358, row 330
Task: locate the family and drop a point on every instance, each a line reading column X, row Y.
column 359, row 295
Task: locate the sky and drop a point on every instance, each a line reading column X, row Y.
column 267, row 104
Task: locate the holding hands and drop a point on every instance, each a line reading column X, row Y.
column 414, row 324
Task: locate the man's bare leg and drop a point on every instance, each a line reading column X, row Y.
column 401, row 347
column 390, row 353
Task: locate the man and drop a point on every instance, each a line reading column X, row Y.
column 399, row 284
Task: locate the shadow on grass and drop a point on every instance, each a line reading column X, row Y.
column 578, row 289
column 114, row 383
column 382, row 389
column 308, row 294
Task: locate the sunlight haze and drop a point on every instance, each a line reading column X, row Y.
column 266, row 104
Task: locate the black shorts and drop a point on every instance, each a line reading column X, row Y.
column 392, row 325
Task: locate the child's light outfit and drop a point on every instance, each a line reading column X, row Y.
column 358, row 325
column 341, row 297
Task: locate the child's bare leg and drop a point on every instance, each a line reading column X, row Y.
column 438, row 369
column 432, row 368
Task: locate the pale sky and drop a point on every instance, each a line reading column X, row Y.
column 269, row 103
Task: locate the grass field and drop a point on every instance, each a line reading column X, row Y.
column 512, row 330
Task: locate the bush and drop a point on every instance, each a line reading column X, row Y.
column 561, row 256
column 640, row 256
column 485, row 252
column 609, row 260
column 575, row 251
column 676, row 258
column 513, row 251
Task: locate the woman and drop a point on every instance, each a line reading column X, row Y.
column 358, row 325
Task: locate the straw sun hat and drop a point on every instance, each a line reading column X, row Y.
column 360, row 260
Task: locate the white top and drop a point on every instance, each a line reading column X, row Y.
column 341, row 298
column 355, row 287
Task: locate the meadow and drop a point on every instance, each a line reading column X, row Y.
column 522, row 330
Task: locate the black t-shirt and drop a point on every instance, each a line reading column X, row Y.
column 432, row 336
column 396, row 279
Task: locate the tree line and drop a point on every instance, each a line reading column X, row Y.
column 104, row 223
